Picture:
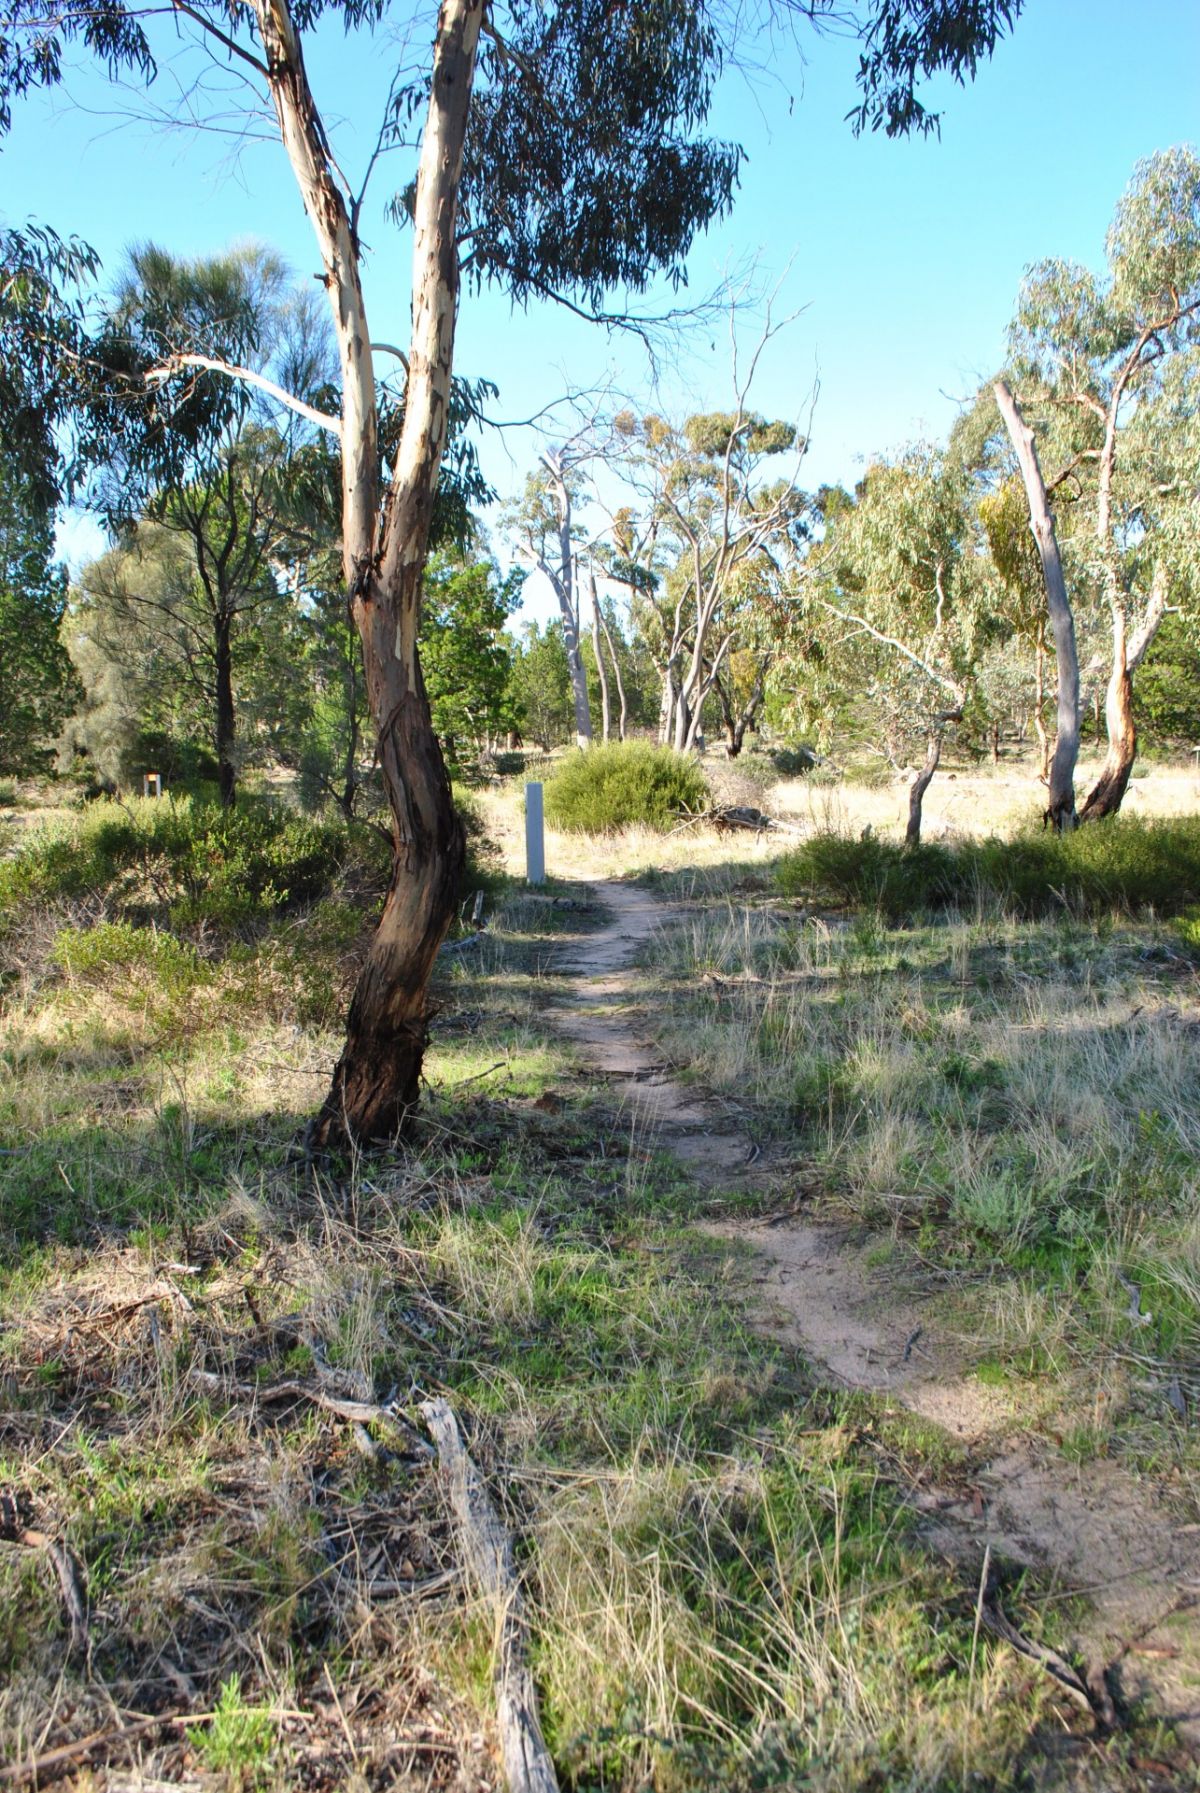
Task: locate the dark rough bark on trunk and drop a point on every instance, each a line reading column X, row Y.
column 918, row 788
column 737, row 723
column 225, row 719
column 376, row 1083
column 1106, row 796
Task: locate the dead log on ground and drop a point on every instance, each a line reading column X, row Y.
column 487, row 1554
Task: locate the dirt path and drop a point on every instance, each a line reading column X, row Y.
column 1096, row 1529
column 601, row 1022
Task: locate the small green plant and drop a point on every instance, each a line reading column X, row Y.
column 623, row 785
column 239, row 1739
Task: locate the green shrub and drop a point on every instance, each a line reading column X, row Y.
column 614, row 787
column 1125, row 863
column 93, row 954
column 189, row 862
column 795, row 761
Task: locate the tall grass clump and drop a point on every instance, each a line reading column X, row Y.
column 623, row 785
column 1126, row 863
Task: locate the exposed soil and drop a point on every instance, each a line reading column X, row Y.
column 1093, row 1530
column 602, row 1023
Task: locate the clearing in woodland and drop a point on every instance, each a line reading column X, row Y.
column 816, row 1292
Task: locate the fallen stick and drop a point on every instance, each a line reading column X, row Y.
column 358, row 1412
column 487, row 1550
column 68, row 1572
column 1092, row 1694
column 54, row 1763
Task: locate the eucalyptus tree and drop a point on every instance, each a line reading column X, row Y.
column 220, row 485
column 545, row 530
column 562, row 153
column 896, row 581
column 1101, row 366
column 38, row 688
column 712, row 516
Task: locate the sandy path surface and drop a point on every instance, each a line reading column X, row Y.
column 1095, row 1528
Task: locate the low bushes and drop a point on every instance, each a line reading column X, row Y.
column 185, row 862
column 623, row 784
column 1125, row 863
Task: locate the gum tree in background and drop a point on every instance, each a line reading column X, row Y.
column 37, row 684
column 894, row 577
column 565, row 156
column 1108, row 372
column 713, row 507
column 547, row 539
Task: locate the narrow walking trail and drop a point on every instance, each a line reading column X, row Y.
column 1094, row 1528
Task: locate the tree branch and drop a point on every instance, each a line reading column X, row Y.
column 930, row 672
column 158, row 376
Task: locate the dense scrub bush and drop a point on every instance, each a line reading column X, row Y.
column 1124, row 863
column 187, row 863
column 625, row 783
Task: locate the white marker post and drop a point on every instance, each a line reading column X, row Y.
column 535, row 836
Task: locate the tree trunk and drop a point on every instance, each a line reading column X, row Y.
column 1039, row 706
column 225, row 721
column 918, row 788
column 566, row 589
column 1060, row 813
column 1104, row 799
column 620, row 682
column 598, row 650
column 1108, row 793
column 375, row 1083
column 666, row 707
column 995, row 743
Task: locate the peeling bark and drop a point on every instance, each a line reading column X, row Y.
column 375, row 1084
column 1107, row 794
column 918, row 788
column 1060, row 813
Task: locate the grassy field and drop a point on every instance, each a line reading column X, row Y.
column 729, row 1582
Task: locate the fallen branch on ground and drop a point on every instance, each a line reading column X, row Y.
column 726, row 817
column 358, row 1412
column 70, row 1579
column 53, row 1764
column 488, row 1552
column 1092, row 1694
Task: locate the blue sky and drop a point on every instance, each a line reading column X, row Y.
column 902, row 259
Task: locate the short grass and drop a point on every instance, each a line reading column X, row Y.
column 1014, row 1103
column 727, row 1584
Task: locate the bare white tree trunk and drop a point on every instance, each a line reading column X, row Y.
column 1061, row 810
column 565, row 580
column 598, row 650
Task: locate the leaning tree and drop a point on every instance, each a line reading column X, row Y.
column 562, row 153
